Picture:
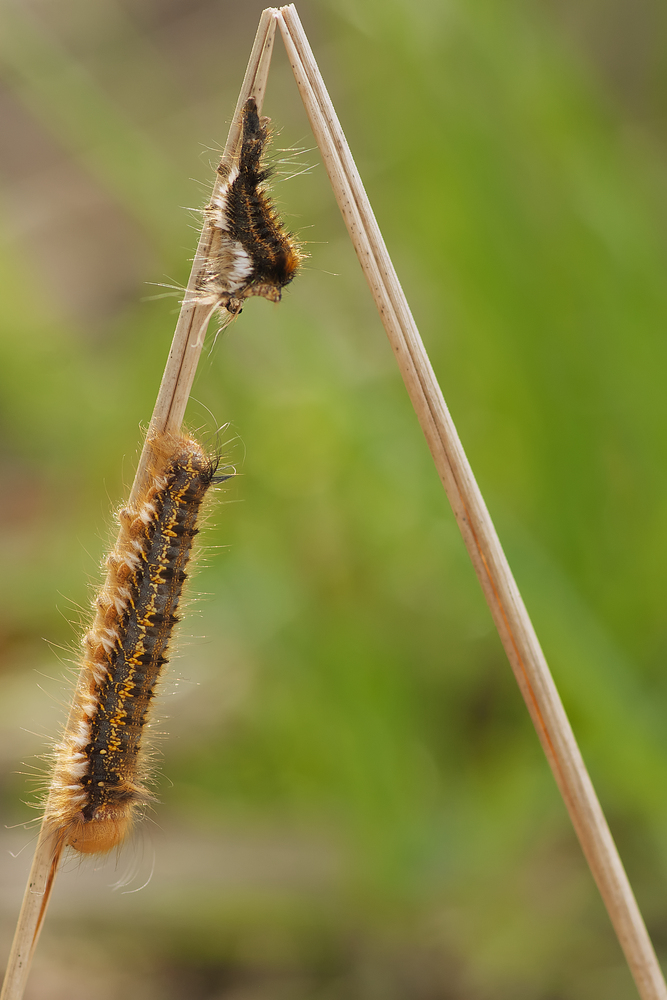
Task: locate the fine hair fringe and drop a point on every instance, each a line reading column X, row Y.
column 101, row 771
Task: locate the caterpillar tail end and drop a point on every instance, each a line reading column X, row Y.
column 106, row 830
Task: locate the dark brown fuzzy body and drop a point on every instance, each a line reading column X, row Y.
column 251, row 253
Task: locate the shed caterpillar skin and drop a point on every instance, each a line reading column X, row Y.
column 250, row 251
column 101, row 767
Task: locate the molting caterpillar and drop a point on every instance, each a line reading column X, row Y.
column 250, row 252
column 101, row 766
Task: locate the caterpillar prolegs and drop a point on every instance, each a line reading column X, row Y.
column 101, row 768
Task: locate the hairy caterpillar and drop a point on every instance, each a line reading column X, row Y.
column 99, row 783
column 100, row 773
column 250, row 251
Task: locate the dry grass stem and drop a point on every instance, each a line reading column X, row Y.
column 507, row 607
column 195, row 314
column 167, row 417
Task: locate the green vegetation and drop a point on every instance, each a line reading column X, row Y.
column 354, row 803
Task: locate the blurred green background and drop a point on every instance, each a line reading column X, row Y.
column 353, row 802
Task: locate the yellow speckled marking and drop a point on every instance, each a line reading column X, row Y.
column 100, row 773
